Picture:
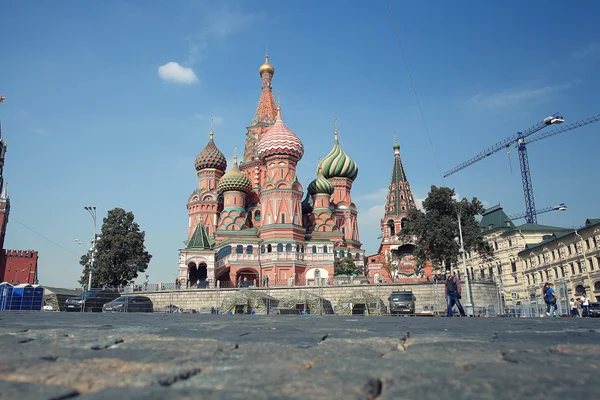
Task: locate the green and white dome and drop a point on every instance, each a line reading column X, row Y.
column 337, row 164
column 234, row 180
column 320, row 185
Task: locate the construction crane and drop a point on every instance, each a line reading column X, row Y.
column 521, row 143
column 558, row 207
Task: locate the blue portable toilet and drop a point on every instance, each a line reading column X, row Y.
column 5, row 295
column 26, row 296
column 38, row 298
column 15, row 299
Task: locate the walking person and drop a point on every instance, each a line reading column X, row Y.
column 453, row 295
column 585, row 305
column 573, row 305
column 544, row 290
column 552, row 297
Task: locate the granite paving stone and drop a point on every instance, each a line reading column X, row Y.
column 49, row 355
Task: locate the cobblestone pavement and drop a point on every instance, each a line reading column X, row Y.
column 179, row 356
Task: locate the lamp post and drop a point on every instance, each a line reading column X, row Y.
column 92, row 211
column 260, row 264
column 464, row 262
column 585, row 262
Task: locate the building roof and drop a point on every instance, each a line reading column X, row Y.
column 560, row 234
column 399, row 193
column 536, row 228
column 337, row 164
column 495, row 218
column 199, row 240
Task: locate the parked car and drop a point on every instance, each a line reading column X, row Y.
column 129, row 304
column 402, row 302
column 595, row 310
column 90, row 300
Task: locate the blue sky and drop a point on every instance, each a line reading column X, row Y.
column 89, row 120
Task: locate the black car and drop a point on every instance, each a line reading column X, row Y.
column 90, row 300
column 129, row 304
column 595, row 310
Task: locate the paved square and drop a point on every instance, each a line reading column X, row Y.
column 158, row 356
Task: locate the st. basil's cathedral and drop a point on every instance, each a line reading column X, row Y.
column 252, row 223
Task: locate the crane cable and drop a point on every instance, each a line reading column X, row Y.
column 414, row 89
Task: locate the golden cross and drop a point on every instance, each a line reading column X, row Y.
column 395, row 137
column 335, row 124
column 212, row 124
column 267, row 51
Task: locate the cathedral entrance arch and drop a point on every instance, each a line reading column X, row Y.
column 246, row 277
column 392, row 227
column 192, row 274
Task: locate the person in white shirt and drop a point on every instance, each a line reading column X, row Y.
column 573, row 305
column 585, row 304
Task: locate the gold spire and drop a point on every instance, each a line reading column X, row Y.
column 235, row 155
column 266, row 67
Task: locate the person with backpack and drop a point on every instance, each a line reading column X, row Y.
column 453, row 295
column 544, row 290
column 552, row 297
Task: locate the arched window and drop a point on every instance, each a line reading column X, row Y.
column 279, row 248
column 249, row 249
column 297, row 248
column 358, row 256
column 257, row 215
column 314, row 249
column 342, row 254
column 317, row 274
column 288, row 247
column 579, row 289
column 391, row 227
column 269, row 248
column 403, row 223
column 239, row 249
column 325, row 249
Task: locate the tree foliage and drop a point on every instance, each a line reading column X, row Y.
column 346, row 266
column 120, row 252
column 388, row 265
column 437, row 228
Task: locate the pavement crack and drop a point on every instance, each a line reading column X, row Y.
column 182, row 376
column 49, row 358
column 107, row 346
column 373, row 387
column 69, row 395
column 245, row 333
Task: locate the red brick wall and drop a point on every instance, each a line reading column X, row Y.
column 18, row 266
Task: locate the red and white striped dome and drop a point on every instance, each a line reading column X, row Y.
column 280, row 140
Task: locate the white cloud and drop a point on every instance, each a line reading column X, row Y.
column 419, row 203
column 217, row 120
column 173, row 72
column 379, row 195
column 517, row 97
column 588, row 51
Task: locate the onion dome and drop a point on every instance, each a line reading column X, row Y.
column 234, row 180
column 320, row 185
column 396, row 146
column 280, row 140
column 211, row 157
column 337, row 164
column 266, row 67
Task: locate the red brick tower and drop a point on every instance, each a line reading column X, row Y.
column 395, row 248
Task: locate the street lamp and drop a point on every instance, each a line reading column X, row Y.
column 261, row 282
column 92, row 211
column 464, row 261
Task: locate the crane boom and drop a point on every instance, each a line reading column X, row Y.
column 501, row 145
column 560, row 207
column 566, row 128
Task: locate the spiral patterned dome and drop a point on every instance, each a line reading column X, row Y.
column 234, row 180
column 280, row 140
column 211, row 157
column 320, row 186
column 337, row 164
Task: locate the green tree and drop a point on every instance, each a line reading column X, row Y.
column 388, row 265
column 120, row 252
column 437, row 228
column 346, row 266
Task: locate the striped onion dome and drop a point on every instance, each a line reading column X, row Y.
column 320, row 185
column 337, row 164
column 234, row 180
column 280, row 140
column 211, row 157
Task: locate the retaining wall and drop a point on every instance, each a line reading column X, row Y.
column 427, row 294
